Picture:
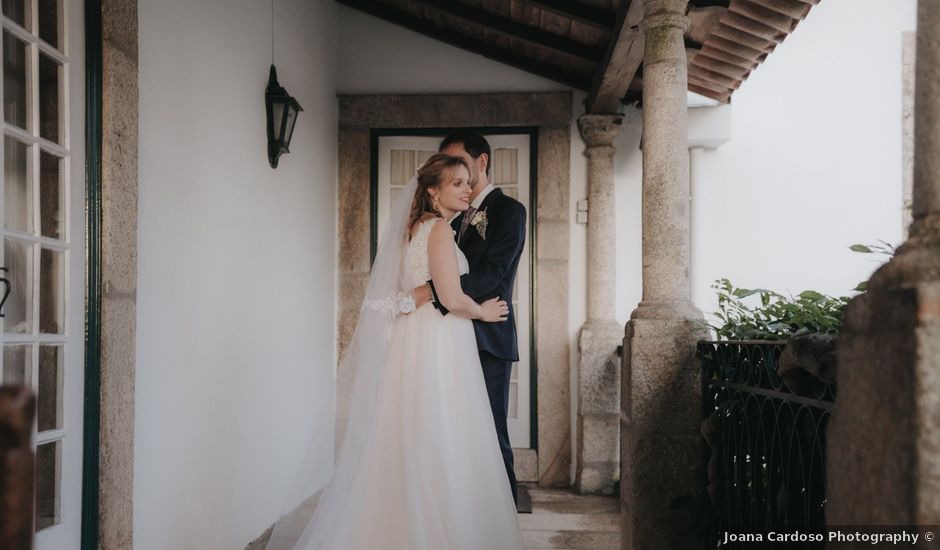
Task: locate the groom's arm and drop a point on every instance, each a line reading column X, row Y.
column 506, row 243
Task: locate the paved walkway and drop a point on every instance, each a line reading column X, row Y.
column 563, row 520
column 560, row 520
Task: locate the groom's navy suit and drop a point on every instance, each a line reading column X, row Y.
column 493, row 258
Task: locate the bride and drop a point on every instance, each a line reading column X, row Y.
column 419, row 467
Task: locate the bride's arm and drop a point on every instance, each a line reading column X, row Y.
column 442, row 259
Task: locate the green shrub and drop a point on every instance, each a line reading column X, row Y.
column 774, row 316
column 777, row 317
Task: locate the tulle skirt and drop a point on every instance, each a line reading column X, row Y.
column 431, row 476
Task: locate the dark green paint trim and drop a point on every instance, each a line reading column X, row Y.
column 92, row 391
column 533, row 287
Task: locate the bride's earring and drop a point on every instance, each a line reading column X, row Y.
column 436, row 204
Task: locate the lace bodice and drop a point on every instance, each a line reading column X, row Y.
column 417, row 269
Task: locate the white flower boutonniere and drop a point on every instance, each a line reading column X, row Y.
column 479, row 222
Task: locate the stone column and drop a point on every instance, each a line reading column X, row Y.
column 883, row 463
column 599, row 367
column 661, row 402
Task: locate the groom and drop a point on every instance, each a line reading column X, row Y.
column 491, row 234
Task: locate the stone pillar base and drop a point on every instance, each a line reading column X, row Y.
column 662, row 449
column 598, row 455
column 598, row 448
column 883, row 440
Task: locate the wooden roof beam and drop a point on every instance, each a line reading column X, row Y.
column 409, row 21
column 704, row 84
column 783, row 23
column 723, row 97
column 735, row 48
column 623, row 59
column 752, row 27
column 713, row 77
column 790, row 8
column 720, row 67
column 702, row 21
column 516, row 31
column 744, row 39
column 727, row 58
column 589, row 15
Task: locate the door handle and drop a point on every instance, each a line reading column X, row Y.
column 7, row 287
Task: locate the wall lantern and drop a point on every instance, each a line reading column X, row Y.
column 282, row 112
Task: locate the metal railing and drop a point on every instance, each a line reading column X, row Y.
column 766, row 438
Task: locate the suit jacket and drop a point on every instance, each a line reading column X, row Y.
column 493, row 258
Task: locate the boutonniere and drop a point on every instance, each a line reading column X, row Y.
column 479, row 222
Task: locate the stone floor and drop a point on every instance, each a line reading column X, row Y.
column 563, row 520
column 560, row 520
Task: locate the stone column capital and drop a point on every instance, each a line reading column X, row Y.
column 600, row 130
column 665, row 13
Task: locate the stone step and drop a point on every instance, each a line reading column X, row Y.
column 570, row 540
column 562, row 520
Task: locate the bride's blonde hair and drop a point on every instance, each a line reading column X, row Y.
column 431, row 174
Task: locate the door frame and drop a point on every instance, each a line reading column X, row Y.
column 552, row 114
column 533, row 133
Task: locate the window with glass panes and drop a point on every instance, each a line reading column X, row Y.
column 36, row 240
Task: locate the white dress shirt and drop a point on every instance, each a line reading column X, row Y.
column 479, row 200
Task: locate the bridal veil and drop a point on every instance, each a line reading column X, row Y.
column 359, row 377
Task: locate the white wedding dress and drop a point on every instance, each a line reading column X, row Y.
column 429, row 475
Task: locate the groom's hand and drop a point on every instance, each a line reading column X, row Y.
column 422, row 295
column 437, row 302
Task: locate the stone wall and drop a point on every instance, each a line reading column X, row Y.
column 119, row 180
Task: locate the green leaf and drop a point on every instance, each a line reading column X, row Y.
column 861, row 248
column 744, row 292
column 811, row 295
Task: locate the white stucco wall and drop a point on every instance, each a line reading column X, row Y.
column 235, row 349
column 376, row 57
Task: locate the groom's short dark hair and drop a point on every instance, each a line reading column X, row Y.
column 473, row 143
